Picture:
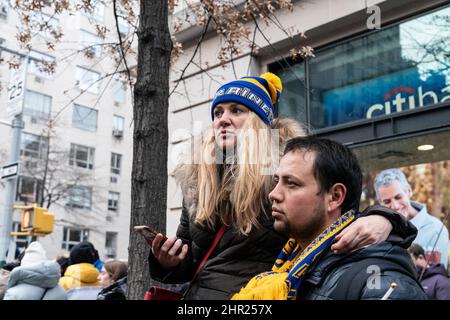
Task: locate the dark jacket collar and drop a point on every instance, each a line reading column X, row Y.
column 328, row 260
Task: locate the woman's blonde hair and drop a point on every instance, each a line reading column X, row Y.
column 242, row 186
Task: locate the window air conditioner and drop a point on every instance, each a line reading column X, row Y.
column 111, row 252
column 117, row 133
column 3, row 10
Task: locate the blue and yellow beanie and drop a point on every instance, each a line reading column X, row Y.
column 259, row 94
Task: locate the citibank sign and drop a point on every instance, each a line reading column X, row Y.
column 407, row 98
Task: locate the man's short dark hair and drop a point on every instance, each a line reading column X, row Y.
column 334, row 163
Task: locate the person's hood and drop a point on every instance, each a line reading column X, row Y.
column 83, row 272
column 34, row 253
column 44, row 274
column 435, row 269
column 384, row 250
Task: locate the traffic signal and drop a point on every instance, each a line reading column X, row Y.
column 36, row 220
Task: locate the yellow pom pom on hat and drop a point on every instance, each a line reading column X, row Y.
column 259, row 94
column 275, row 85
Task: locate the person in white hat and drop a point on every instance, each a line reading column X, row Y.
column 36, row 278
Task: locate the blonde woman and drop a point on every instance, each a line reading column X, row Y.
column 227, row 181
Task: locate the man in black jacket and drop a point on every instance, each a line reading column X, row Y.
column 317, row 192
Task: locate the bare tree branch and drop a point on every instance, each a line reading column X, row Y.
column 121, row 45
column 205, row 29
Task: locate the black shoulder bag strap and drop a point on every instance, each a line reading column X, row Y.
column 43, row 295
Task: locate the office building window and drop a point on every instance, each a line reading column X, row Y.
column 4, row 8
column 113, row 201
column 41, row 64
column 118, row 123
column 123, row 23
column 111, row 244
column 91, row 43
column 84, row 118
column 88, row 80
column 119, row 92
column 33, row 146
column 116, row 162
column 79, row 197
column 73, row 236
column 29, row 189
column 81, row 156
column 37, row 105
column 49, row 25
column 97, row 12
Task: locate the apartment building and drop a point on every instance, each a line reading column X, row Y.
column 86, row 153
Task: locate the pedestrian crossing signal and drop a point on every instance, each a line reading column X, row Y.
column 36, row 220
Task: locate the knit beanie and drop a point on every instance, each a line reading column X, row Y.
column 259, row 94
column 34, row 253
column 82, row 253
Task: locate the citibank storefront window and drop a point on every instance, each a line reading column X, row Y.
column 399, row 68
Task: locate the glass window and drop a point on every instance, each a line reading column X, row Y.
column 79, row 197
column 97, row 12
column 113, row 201
column 292, row 101
column 47, row 24
column 111, row 244
column 29, row 189
column 119, row 92
column 37, row 105
column 395, row 69
column 81, row 156
column 116, row 162
column 118, row 123
column 92, row 42
column 72, row 236
column 123, row 23
column 84, row 118
column 88, row 80
column 4, row 8
column 33, row 146
column 39, row 64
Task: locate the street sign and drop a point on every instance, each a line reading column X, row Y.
column 10, row 170
column 16, row 90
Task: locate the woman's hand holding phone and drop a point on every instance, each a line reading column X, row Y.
column 167, row 250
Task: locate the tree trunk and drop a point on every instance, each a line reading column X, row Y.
column 149, row 173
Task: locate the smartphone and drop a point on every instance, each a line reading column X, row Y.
column 148, row 233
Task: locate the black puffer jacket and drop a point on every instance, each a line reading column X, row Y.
column 116, row 291
column 237, row 258
column 363, row 275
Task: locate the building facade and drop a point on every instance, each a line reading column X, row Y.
column 379, row 82
column 76, row 147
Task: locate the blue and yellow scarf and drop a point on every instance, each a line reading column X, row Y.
column 283, row 282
